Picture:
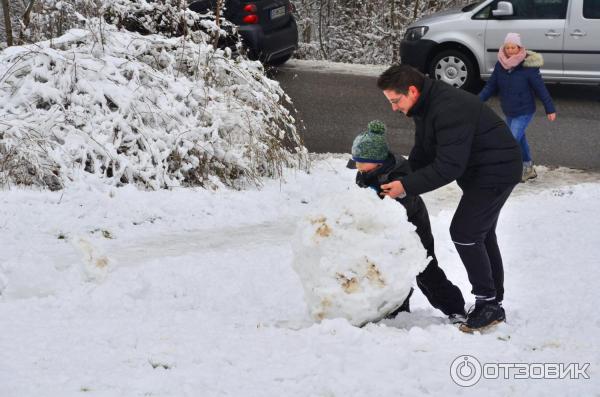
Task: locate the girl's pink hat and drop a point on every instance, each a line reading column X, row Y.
column 513, row 38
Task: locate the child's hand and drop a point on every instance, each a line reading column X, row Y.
column 393, row 189
column 551, row 116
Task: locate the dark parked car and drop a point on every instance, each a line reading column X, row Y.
column 267, row 27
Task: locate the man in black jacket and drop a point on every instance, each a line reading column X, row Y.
column 458, row 138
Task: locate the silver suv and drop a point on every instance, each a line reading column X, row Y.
column 461, row 45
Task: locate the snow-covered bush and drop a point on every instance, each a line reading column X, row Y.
column 170, row 18
column 150, row 110
column 357, row 257
column 39, row 20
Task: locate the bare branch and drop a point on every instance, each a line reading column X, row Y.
column 27, row 14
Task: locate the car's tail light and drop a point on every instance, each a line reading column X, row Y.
column 251, row 18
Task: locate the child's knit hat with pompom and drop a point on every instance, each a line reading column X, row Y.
column 370, row 146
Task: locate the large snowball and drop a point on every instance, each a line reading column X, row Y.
column 357, row 256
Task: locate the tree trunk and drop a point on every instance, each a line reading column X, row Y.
column 322, row 47
column 219, row 6
column 7, row 23
column 416, row 10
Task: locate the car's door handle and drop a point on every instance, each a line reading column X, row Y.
column 578, row 33
column 552, row 33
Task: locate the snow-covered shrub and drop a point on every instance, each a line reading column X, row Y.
column 357, row 257
column 150, row 110
column 45, row 19
column 48, row 19
column 52, row 18
column 170, row 18
column 167, row 18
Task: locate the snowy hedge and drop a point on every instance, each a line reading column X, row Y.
column 47, row 19
column 150, row 110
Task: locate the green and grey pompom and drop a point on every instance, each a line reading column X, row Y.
column 370, row 146
column 376, row 127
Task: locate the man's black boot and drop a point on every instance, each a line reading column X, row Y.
column 485, row 315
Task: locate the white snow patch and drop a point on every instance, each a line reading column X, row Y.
column 335, row 67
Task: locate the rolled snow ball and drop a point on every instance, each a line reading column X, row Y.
column 357, row 257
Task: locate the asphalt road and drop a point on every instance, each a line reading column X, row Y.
column 334, row 104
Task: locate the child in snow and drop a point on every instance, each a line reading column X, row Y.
column 377, row 166
column 517, row 79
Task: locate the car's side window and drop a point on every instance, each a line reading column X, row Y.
column 531, row 9
column 540, row 9
column 486, row 12
column 523, row 9
column 591, row 9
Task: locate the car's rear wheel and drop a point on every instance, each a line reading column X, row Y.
column 455, row 68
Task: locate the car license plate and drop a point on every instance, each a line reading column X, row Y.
column 277, row 12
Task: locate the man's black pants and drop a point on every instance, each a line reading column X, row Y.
column 434, row 284
column 473, row 231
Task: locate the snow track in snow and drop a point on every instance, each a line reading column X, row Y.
column 196, row 241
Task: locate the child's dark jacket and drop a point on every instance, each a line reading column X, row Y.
column 391, row 170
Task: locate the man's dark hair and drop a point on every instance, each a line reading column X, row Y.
column 399, row 78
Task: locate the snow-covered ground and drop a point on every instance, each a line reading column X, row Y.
column 120, row 292
column 355, row 69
